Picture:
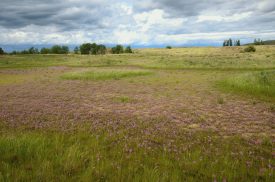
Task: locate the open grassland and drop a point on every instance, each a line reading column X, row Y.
column 183, row 114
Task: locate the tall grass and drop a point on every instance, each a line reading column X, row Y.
column 260, row 84
column 104, row 74
column 83, row 156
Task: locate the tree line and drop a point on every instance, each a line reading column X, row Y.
column 86, row 48
column 97, row 49
column 230, row 42
column 56, row 49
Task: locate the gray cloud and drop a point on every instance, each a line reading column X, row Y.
column 133, row 21
column 66, row 14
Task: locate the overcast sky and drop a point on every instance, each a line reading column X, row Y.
column 135, row 22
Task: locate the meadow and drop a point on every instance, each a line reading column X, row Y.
column 180, row 114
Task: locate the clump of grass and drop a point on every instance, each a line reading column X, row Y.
column 123, row 99
column 220, row 100
column 260, row 84
column 104, row 74
column 6, row 79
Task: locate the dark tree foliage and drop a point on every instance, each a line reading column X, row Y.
column 2, row 52
column 85, row 48
column 229, row 42
column 45, row 51
column 168, row 47
column 118, row 49
column 101, row 49
column 128, row 49
column 93, row 48
column 31, row 50
column 56, row 49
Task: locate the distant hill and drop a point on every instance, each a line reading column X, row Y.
column 269, row 42
column 266, row 42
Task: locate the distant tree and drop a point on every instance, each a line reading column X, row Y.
column 94, row 49
column 128, row 49
column 168, row 47
column 76, row 50
column 45, row 51
column 224, row 43
column 101, row 49
column 26, row 52
column 238, row 43
column 2, row 52
column 230, row 42
column 85, row 48
column 64, row 50
column 32, row 50
column 118, row 49
column 56, row 49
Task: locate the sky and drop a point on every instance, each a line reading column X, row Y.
column 140, row 23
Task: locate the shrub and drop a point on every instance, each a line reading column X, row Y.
column 250, row 49
column 168, row 47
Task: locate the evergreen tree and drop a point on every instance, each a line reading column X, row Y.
column 230, row 42
column 238, row 43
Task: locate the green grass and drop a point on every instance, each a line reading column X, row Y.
column 7, row 79
column 84, row 156
column 123, row 99
column 104, row 74
column 259, row 84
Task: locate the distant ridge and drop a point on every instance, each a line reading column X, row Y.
column 266, row 42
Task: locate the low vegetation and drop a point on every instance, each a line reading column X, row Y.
column 85, row 156
column 104, row 74
column 250, row 49
column 261, row 84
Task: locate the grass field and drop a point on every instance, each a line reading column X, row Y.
column 183, row 114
